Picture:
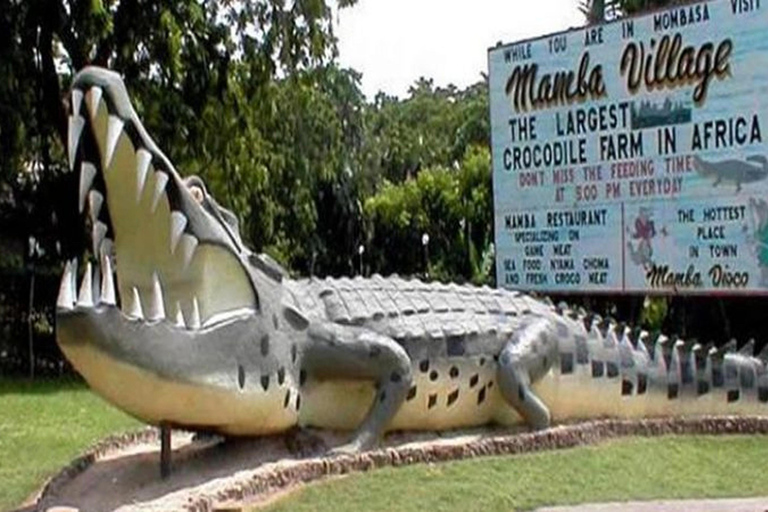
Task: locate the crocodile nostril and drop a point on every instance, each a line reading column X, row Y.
column 197, row 193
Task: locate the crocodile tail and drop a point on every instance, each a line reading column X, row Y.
column 607, row 369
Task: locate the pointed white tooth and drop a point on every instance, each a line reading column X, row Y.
column 87, row 173
column 194, row 322
column 108, row 249
column 77, row 101
column 85, row 297
column 66, row 291
column 76, row 125
column 179, row 317
column 143, row 158
column 73, row 275
column 95, row 201
column 98, row 233
column 187, row 247
column 96, row 286
column 178, row 223
column 92, row 100
column 134, row 308
column 114, row 129
column 156, row 307
column 161, row 180
column 107, row 282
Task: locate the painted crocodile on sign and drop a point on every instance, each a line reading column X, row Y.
column 181, row 324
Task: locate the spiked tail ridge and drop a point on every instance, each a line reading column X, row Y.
column 609, row 370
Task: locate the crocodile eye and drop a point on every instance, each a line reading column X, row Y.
column 197, row 193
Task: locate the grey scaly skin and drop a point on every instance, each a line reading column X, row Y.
column 194, row 330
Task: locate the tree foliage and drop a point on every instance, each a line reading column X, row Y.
column 184, row 62
column 597, row 11
column 451, row 205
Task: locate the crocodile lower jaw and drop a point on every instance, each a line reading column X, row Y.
column 155, row 400
column 183, row 372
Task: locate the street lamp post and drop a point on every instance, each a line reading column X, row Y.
column 425, row 245
column 360, row 252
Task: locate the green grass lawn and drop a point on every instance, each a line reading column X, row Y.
column 45, row 424
column 626, row 469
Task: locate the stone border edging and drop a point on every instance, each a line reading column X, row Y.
column 566, row 436
column 274, row 477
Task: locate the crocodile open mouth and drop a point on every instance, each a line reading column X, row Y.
column 177, row 254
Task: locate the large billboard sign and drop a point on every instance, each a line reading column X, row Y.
column 632, row 156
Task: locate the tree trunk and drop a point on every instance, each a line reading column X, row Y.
column 30, row 329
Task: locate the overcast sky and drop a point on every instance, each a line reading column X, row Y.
column 394, row 42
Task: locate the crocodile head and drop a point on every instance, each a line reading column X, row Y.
column 174, row 311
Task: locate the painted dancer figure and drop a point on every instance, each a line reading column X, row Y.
column 645, row 230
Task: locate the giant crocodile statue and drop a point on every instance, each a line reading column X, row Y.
column 181, row 324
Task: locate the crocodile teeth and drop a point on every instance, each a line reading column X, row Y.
column 87, row 173
column 73, row 277
column 107, row 248
column 98, row 233
column 114, row 129
column 179, row 317
column 143, row 158
column 178, row 223
column 66, row 291
column 96, row 285
column 85, row 297
column 107, row 282
column 187, row 246
column 161, row 180
column 92, row 100
column 194, row 321
column 95, row 202
column 77, row 101
column 156, row 307
column 76, row 125
column 134, row 308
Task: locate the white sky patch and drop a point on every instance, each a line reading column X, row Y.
column 394, row 42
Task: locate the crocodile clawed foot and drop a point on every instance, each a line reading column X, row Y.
column 345, row 449
column 354, row 447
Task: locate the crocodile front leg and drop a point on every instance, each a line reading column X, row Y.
column 338, row 352
column 525, row 358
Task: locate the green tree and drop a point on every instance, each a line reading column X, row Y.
column 175, row 57
column 432, row 126
column 450, row 204
column 597, row 11
column 183, row 61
